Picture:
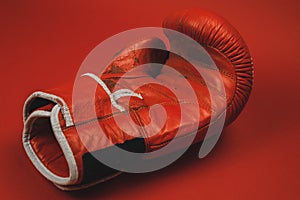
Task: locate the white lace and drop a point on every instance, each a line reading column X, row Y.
column 115, row 95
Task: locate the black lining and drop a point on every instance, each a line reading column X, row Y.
column 38, row 103
column 94, row 170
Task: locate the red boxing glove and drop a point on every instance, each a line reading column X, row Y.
column 50, row 135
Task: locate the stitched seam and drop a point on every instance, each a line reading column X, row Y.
column 207, row 106
column 236, row 77
column 107, row 117
column 142, row 131
column 185, row 135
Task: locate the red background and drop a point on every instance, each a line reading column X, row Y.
column 42, row 43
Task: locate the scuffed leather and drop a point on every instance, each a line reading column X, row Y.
column 216, row 35
column 224, row 44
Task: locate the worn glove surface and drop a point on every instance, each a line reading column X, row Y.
column 50, row 134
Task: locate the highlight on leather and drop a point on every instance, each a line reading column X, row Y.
column 50, row 135
column 226, row 47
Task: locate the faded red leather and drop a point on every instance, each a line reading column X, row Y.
column 216, row 35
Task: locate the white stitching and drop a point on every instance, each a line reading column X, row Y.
column 64, row 108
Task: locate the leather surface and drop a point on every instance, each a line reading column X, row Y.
column 225, row 46
column 257, row 157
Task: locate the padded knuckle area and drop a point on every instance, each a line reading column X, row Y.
column 226, row 47
column 59, row 140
